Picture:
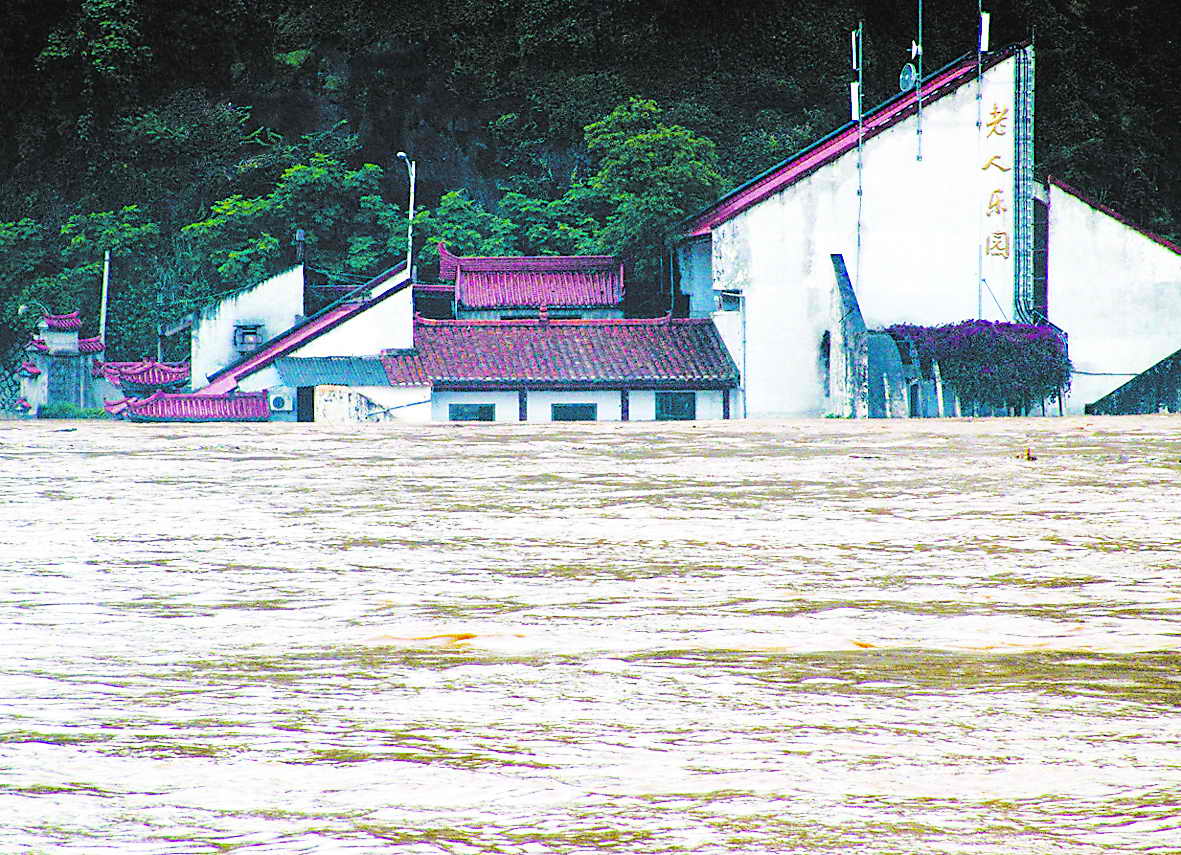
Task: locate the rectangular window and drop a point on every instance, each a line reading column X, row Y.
column 676, row 406
column 574, row 412
column 471, row 412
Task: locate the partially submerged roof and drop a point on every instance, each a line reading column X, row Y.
column 182, row 407
column 533, row 281
column 331, row 371
column 331, row 316
column 632, row 353
column 936, row 86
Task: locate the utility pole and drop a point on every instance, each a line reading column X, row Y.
column 102, row 312
column 411, row 171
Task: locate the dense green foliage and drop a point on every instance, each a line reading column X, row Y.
column 192, row 138
column 65, row 410
column 994, row 363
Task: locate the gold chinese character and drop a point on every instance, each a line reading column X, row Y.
column 996, row 121
column 994, row 162
column 997, row 244
column 996, row 204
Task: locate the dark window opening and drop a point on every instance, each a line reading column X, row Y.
column 305, row 404
column 471, row 412
column 824, row 360
column 1041, row 258
column 676, row 406
column 574, row 412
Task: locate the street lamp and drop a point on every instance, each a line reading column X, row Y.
column 410, row 172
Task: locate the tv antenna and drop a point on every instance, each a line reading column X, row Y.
column 916, row 55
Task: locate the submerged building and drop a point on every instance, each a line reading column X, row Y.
column 937, row 217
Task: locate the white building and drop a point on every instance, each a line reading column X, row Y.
column 934, row 228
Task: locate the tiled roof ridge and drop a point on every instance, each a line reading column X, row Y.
column 450, row 263
column 91, row 345
column 194, row 406
column 1114, row 214
column 937, row 85
column 37, row 344
column 663, row 320
column 67, row 321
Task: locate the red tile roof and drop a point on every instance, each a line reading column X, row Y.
column 37, row 344
column 178, row 407
column 91, row 345
column 23, row 404
column 638, row 352
column 405, row 368
column 936, row 86
column 501, row 282
column 326, row 319
column 71, row 321
column 28, row 369
column 148, row 374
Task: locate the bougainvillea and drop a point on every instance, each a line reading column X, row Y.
column 993, row 362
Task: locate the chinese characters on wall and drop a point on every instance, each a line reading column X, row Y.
column 996, row 188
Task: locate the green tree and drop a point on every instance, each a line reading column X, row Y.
column 649, row 175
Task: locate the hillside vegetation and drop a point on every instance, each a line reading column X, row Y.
column 192, row 138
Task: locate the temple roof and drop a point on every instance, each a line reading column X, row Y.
column 37, row 344
column 647, row 352
column 91, row 345
column 503, row 282
column 190, row 407
column 60, row 323
column 311, row 328
column 934, row 87
column 146, row 374
column 28, row 369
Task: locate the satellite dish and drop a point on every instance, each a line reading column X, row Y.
column 907, row 77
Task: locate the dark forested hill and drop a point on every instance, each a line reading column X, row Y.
column 191, row 136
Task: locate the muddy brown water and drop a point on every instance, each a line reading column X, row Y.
column 813, row 637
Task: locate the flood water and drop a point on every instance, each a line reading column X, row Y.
column 809, row 637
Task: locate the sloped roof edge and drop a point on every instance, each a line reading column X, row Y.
column 1111, row 212
column 934, row 86
column 328, row 318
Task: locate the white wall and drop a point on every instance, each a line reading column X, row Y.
column 1115, row 291
column 275, row 303
column 389, row 324
column 355, row 404
column 923, row 229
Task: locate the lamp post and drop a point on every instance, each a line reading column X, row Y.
column 410, row 172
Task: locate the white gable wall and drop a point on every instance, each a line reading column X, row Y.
column 389, row 324
column 1115, row 291
column 923, row 228
column 275, row 303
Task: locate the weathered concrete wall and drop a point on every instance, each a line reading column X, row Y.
column 371, row 404
column 695, row 273
column 923, row 232
column 275, row 303
column 1116, row 292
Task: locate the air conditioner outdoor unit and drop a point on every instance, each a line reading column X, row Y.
column 281, row 401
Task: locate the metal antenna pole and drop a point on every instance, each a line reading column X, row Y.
column 858, row 66
column 980, row 48
column 919, row 155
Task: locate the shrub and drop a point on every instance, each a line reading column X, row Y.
column 63, row 410
column 995, row 363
